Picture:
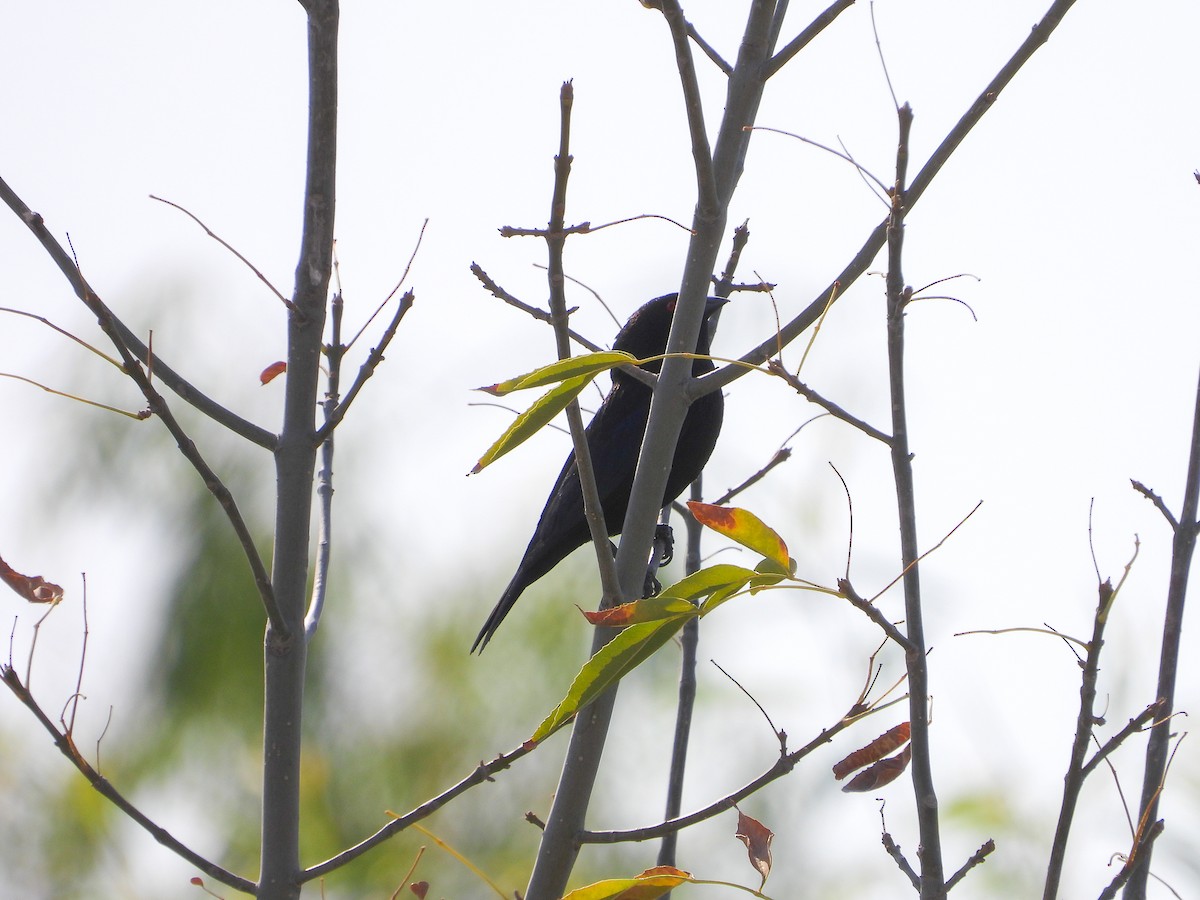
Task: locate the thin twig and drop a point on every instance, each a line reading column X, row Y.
column 224, row 243
column 140, row 415
column 365, row 371
column 874, row 614
column 104, row 356
column 933, row 549
column 829, row 406
column 500, row 293
column 69, row 726
column 66, row 746
column 780, row 736
column 874, row 242
column 395, row 290
column 712, row 54
column 1133, row 726
column 782, row 767
column 866, row 173
column 1158, row 501
column 850, row 513
column 976, row 858
column 126, row 342
column 482, row 773
column 782, row 455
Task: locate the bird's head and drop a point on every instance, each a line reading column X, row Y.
column 646, row 332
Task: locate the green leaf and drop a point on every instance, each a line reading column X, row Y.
column 708, row 581
column 622, row 654
column 524, row 426
column 589, row 364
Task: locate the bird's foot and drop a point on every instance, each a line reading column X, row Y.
column 652, row 587
column 664, row 537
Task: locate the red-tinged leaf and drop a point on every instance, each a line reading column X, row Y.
column 886, row 743
column 651, row 884
column 757, row 837
column 622, row 654
column 744, row 527
column 652, row 609
column 883, row 772
column 197, row 881
column 419, row 889
column 33, row 588
column 268, row 374
column 588, row 365
column 531, row 421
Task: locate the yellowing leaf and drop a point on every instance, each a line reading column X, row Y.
column 524, row 426
column 589, row 364
column 744, row 527
column 620, row 655
column 649, row 885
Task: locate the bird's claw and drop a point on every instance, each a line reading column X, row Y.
column 664, row 537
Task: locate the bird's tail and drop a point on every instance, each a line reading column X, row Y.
column 499, row 611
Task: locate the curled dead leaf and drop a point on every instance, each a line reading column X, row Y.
column 33, row 588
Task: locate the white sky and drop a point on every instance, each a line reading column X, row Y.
column 1073, row 202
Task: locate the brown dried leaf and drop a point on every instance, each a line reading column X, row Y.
column 883, row 772
column 890, row 740
column 33, row 588
column 757, row 838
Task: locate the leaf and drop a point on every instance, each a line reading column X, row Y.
column 649, row 885
column 589, row 364
column 270, row 372
column 757, row 837
column 890, row 740
column 883, row 772
column 529, row 422
column 708, row 581
column 744, row 527
column 651, row 609
column 33, row 588
column 622, row 654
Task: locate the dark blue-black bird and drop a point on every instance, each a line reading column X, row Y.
column 614, row 438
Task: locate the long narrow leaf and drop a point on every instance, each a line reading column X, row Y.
column 620, row 655
column 524, row 426
column 589, row 364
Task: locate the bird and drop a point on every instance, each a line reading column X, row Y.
column 614, row 437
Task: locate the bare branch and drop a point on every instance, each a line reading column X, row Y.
column 483, row 772
column 774, row 367
column 500, row 293
column 804, row 38
column 126, row 342
column 976, row 858
column 66, row 745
